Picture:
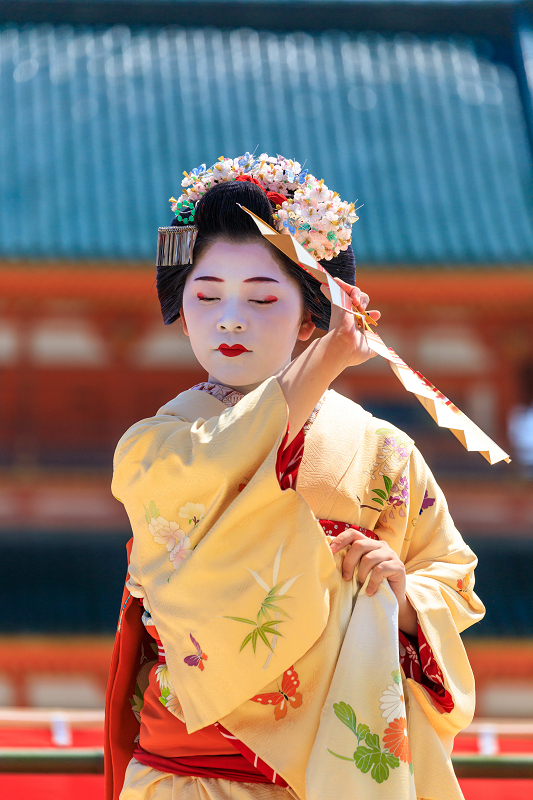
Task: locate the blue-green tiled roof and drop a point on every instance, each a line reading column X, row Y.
column 98, row 125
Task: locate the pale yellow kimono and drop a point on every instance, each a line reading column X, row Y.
column 239, row 572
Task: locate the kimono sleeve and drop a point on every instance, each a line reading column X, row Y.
column 202, row 433
column 440, row 586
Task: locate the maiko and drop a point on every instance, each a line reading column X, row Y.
column 296, row 588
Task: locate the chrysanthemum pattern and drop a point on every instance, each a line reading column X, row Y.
column 173, row 704
column 316, row 216
column 167, row 694
column 371, row 755
column 395, row 739
column 392, row 702
column 163, row 677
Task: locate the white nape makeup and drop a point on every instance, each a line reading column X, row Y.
column 243, row 314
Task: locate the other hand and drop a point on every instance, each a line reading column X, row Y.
column 377, row 556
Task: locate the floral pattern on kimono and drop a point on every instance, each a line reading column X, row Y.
column 416, row 657
column 417, row 660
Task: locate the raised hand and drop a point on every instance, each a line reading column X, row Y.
column 345, row 328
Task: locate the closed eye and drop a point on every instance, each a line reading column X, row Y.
column 268, row 301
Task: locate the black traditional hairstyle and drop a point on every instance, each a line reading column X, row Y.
column 218, row 217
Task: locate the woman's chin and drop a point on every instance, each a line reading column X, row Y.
column 242, row 378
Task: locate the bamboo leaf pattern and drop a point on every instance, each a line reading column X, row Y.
column 289, row 583
column 269, row 610
column 262, row 631
column 262, row 634
column 245, row 641
column 270, row 603
column 263, row 584
column 277, row 562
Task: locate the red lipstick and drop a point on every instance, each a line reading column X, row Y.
column 233, row 350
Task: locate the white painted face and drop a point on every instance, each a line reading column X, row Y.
column 243, row 314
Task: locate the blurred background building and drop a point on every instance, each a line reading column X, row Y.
column 423, row 112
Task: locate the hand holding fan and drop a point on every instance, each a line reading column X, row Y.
column 443, row 411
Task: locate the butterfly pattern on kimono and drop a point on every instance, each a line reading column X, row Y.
column 427, row 502
column 196, row 659
column 463, row 586
column 285, row 696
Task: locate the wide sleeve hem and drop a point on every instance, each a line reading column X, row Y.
column 419, row 663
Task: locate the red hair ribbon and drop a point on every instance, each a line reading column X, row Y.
column 274, row 197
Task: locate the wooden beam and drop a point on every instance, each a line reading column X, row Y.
column 489, row 288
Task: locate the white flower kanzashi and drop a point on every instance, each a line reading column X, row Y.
column 192, row 512
column 180, row 552
column 323, row 223
column 392, row 702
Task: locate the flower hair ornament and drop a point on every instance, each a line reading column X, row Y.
column 444, row 412
column 304, row 206
column 319, row 226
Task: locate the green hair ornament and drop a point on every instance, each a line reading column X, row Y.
column 183, row 209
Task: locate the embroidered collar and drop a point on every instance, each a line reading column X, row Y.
column 225, row 394
column 230, row 397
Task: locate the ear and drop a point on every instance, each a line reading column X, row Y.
column 184, row 324
column 307, row 326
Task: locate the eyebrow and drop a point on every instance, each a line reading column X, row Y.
column 259, row 279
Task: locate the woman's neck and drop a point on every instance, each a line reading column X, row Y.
column 249, row 387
